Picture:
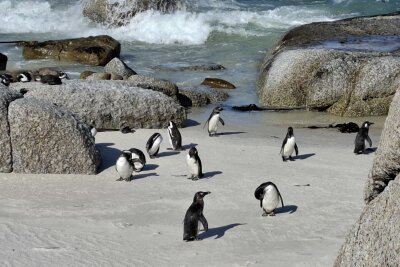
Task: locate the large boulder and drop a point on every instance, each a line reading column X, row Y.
column 110, row 104
column 3, row 61
column 47, row 139
column 301, row 72
column 118, row 13
column 374, row 239
column 166, row 87
column 386, row 165
column 200, row 96
column 93, row 50
column 117, row 67
column 6, row 97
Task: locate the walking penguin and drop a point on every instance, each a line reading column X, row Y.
column 362, row 136
column 213, row 121
column 269, row 196
column 289, row 145
column 193, row 216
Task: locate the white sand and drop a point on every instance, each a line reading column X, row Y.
column 80, row 220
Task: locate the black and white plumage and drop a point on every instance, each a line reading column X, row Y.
column 126, row 165
column 63, row 75
column 48, row 79
column 213, row 121
column 289, row 145
column 194, row 164
column 5, row 80
column 24, row 77
column 362, row 137
column 269, row 197
column 174, row 135
column 153, row 145
column 193, row 216
column 138, row 154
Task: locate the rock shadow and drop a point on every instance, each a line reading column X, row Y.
column 109, row 155
column 304, row 156
column 218, row 231
column 286, row 209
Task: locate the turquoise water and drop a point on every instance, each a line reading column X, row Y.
column 236, row 34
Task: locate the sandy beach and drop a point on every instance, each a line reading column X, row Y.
column 78, row 220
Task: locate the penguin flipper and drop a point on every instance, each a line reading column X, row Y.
column 280, row 196
column 296, row 149
column 200, row 167
column 369, row 141
column 222, row 121
column 204, row 222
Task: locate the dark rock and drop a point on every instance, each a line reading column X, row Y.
column 189, row 67
column 117, row 67
column 126, row 129
column 217, row 83
column 97, row 50
column 200, row 96
column 3, row 61
column 48, row 139
column 6, row 97
column 350, row 127
column 120, row 13
column 109, row 103
column 250, row 107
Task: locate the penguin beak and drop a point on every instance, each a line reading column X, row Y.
column 206, row 193
column 370, row 123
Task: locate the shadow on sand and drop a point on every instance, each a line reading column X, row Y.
column 230, row 133
column 370, row 150
column 150, row 167
column 304, row 156
column 218, row 231
column 109, row 155
column 286, row 209
column 209, row 175
column 166, row 154
column 190, row 123
column 144, row 175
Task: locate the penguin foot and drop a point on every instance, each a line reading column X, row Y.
column 271, row 214
column 283, row 159
column 128, row 179
column 291, row 159
column 195, row 178
column 120, row 179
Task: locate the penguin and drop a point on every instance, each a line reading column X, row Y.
column 4, row 80
column 8, row 76
column 24, row 77
column 193, row 216
column 362, row 137
column 48, row 79
column 289, row 145
column 62, row 75
column 194, row 164
column 153, row 145
column 138, row 154
column 269, row 196
column 213, row 121
column 125, row 165
column 92, row 128
column 174, row 135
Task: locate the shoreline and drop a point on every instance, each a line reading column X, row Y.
column 94, row 220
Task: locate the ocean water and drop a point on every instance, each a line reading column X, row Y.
column 234, row 33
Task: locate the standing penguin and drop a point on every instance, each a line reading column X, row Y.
column 362, row 137
column 269, row 196
column 194, row 163
column 289, row 145
column 153, row 145
column 192, row 217
column 213, row 121
column 125, row 165
column 138, row 154
column 24, row 77
column 174, row 135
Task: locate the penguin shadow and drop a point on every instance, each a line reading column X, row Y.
column 286, row 209
column 143, row 175
column 218, row 231
column 229, row 133
column 190, row 123
column 167, row 153
column 184, row 147
column 370, row 150
column 109, row 155
column 150, row 167
column 304, row 156
column 209, row 175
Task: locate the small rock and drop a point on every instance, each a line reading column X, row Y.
column 218, row 83
column 3, row 61
column 118, row 67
